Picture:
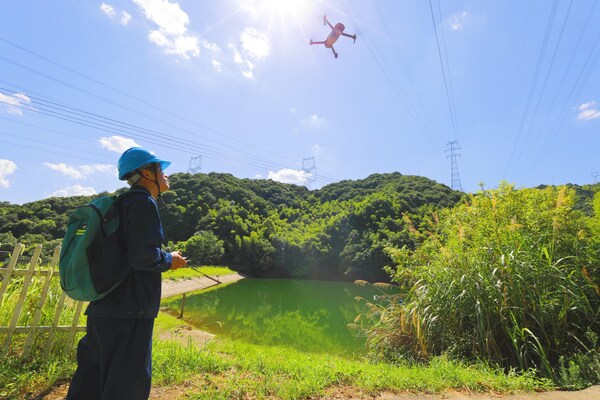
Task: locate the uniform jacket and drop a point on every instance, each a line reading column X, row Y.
column 138, row 296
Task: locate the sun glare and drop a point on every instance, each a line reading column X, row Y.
column 284, row 12
column 290, row 7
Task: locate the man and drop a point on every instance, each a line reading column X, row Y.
column 114, row 358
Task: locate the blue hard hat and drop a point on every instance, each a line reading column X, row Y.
column 135, row 158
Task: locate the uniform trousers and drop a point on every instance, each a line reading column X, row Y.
column 114, row 360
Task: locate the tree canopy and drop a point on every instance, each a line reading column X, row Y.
column 268, row 228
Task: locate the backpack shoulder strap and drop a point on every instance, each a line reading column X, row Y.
column 130, row 192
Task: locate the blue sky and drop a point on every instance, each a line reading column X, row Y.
column 515, row 83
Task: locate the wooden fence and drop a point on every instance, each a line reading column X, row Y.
column 30, row 305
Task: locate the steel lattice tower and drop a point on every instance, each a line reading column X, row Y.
column 310, row 167
column 195, row 165
column 455, row 175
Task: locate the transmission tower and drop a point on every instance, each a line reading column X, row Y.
column 309, row 166
column 195, row 165
column 454, row 149
column 595, row 176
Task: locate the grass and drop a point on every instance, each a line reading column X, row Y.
column 188, row 273
column 226, row 369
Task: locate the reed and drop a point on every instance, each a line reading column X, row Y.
column 508, row 276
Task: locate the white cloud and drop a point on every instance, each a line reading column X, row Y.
column 293, row 110
column 7, row 167
column 217, row 65
column 316, row 149
column 254, row 46
column 125, row 18
column 13, row 103
column 117, row 144
column 75, row 190
column 211, row 46
column 171, row 34
column 169, row 17
column 185, row 46
column 588, row 111
column 313, row 121
column 457, row 21
column 254, row 43
column 81, row 172
column 112, row 13
column 108, row 10
column 287, row 175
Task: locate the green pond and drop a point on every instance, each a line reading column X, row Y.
column 311, row 316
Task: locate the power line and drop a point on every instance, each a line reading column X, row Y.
column 105, row 124
column 538, row 66
column 405, row 69
column 543, row 89
column 384, row 68
column 121, row 92
column 448, row 97
column 589, row 66
column 7, row 60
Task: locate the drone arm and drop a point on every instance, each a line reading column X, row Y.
column 350, row 36
column 326, row 21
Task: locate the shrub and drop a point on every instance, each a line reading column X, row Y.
column 508, row 276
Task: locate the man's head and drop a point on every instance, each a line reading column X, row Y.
column 142, row 167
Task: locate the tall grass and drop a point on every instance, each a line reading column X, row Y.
column 31, row 306
column 508, row 276
column 20, row 377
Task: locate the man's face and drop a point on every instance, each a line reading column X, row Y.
column 163, row 179
column 159, row 176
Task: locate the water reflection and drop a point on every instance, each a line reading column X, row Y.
column 308, row 315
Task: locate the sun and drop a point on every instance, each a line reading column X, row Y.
column 291, row 7
column 284, row 12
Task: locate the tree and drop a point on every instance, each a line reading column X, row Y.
column 204, row 247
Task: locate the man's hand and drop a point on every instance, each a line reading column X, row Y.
column 178, row 260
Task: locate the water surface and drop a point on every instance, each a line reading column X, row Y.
column 307, row 315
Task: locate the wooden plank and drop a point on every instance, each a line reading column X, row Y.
column 43, row 329
column 8, row 273
column 69, row 342
column 21, row 272
column 9, row 270
column 55, row 321
column 40, row 305
column 19, row 307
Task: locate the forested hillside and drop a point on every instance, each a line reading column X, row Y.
column 264, row 227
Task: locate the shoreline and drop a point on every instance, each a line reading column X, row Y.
column 172, row 288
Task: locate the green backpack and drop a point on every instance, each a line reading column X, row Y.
column 93, row 259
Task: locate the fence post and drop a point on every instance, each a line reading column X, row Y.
column 40, row 304
column 17, row 251
column 19, row 307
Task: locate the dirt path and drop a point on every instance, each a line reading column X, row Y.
column 172, row 288
column 591, row 393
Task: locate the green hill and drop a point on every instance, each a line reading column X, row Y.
column 266, row 227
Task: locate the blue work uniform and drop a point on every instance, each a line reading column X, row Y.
column 114, row 358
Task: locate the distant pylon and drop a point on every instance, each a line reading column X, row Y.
column 195, row 165
column 309, row 166
column 595, row 176
column 455, row 175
